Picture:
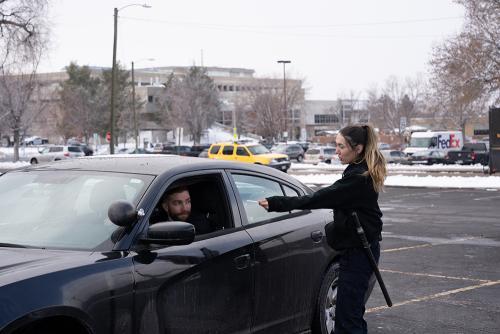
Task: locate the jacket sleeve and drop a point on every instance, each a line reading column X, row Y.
column 343, row 191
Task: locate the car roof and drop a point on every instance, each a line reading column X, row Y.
column 149, row 164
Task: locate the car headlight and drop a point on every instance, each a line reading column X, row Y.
column 273, row 161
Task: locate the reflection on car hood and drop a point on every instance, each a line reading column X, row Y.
column 19, row 263
column 273, row 155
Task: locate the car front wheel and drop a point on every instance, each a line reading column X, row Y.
column 300, row 158
column 327, row 300
column 33, row 161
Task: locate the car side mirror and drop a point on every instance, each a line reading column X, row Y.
column 170, row 233
column 122, row 213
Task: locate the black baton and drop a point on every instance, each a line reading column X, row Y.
column 373, row 263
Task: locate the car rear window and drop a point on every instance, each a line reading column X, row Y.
column 329, row 151
column 74, row 149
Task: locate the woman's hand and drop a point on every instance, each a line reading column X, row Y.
column 263, row 203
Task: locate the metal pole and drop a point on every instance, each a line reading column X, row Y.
column 136, row 130
column 113, row 79
column 284, row 62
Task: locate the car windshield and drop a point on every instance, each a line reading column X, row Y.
column 258, row 149
column 63, row 209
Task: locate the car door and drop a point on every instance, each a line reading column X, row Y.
column 203, row 287
column 242, row 154
column 290, row 255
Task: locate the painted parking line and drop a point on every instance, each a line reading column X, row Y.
column 435, row 276
column 434, row 296
column 404, row 248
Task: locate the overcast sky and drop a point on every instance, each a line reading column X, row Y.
column 337, row 46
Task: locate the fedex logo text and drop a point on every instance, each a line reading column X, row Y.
column 451, row 142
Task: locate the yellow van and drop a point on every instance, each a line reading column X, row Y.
column 249, row 152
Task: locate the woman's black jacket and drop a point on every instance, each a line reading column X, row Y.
column 353, row 192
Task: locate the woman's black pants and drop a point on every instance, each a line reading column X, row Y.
column 353, row 283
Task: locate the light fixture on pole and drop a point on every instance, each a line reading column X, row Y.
column 113, row 75
column 284, row 62
column 136, row 128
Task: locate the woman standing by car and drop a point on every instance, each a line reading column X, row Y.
column 357, row 191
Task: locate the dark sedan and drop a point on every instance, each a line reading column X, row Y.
column 80, row 252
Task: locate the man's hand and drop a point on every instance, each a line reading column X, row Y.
column 263, row 203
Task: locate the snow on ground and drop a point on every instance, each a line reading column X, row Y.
column 486, row 182
column 326, row 174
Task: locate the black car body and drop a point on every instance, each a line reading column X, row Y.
column 65, row 268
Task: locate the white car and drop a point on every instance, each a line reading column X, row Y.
column 54, row 153
column 327, row 154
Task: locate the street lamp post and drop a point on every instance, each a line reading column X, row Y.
column 113, row 75
column 136, row 128
column 284, row 62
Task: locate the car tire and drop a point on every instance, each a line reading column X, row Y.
column 300, row 158
column 33, row 161
column 324, row 321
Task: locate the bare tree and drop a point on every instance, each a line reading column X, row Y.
column 466, row 68
column 262, row 111
column 397, row 99
column 22, row 42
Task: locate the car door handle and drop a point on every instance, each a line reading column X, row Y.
column 242, row 261
column 316, row 236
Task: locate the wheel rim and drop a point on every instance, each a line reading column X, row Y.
column 331, row 301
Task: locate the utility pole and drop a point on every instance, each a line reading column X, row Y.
column 136, row 130
column 285, row 111
column 113, row 79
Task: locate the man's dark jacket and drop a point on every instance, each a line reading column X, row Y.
column 353, row 192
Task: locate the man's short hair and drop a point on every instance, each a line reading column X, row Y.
column 174, row 190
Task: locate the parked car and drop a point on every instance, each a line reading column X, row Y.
column 318, row 154
column 55, row 153
column 471, row 153
column 35, row 140
column 294, row 151
column 204, row 153
column 79, row 254
column 250, row 153
column 394, row 156
column 428, row 157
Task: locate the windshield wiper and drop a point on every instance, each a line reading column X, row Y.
column 6, row 244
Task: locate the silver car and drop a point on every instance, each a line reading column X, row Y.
column 327, row 154
column 54, row 153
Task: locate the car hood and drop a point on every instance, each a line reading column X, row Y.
column 17, row 264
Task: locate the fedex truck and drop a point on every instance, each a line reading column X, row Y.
column 435, row 140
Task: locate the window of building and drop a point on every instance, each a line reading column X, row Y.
column 150, row 98
column 325, row 119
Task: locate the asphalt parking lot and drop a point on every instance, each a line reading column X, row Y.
column 440, row 261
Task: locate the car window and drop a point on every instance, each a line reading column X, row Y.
column 241, row 151
column 67, row 209
column 257, row 149
column 74, row 149
column 252, row 189
column 56, row 149
column 329, row 151
column 228, row 150
column 215, row 149
column 312, row 151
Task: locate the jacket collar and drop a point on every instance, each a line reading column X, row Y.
column 353, row 168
